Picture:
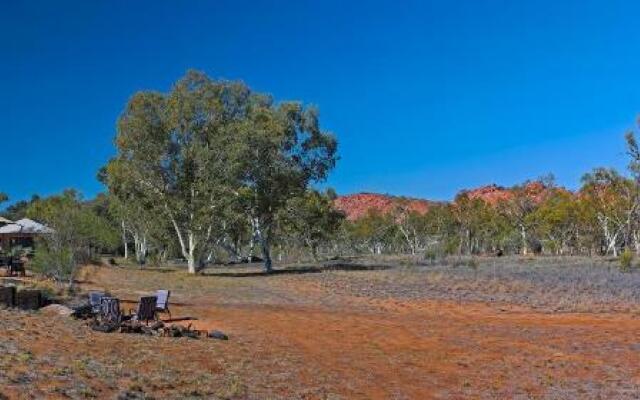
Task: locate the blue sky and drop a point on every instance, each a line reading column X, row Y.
column 426, row 98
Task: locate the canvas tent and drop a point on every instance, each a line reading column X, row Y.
column 21, row 233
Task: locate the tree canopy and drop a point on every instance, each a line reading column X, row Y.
column 191, row 155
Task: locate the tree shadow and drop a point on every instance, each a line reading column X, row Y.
column 341, row 266
column 275, row 272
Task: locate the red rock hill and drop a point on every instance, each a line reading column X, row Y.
column 357, row 205
column 493, row 194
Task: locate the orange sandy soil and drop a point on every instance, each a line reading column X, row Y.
column 293, row 338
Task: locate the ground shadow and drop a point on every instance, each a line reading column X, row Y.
column 340, row 266
column 247, row 274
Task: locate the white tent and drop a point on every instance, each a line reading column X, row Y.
column 24, row 226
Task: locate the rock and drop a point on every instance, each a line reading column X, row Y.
column 132, row 395
column 157, row 325
column 218, row 335
column 57, row 309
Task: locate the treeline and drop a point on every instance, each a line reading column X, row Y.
column 602, row 217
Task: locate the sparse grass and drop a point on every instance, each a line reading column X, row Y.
column 548, row 283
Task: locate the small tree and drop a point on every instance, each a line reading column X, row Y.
column 18, row 210
column 77, row 231
column 612, row 199
column 374, row 231
column 312, row 219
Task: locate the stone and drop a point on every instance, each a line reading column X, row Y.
column 57, row 309
column 218, row 335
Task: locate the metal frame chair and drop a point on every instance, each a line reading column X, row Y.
column 146, row 310
column 162, row 304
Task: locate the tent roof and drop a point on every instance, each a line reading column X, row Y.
column 25, row 225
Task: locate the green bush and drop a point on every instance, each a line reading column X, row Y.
column 626, row 260
column 57, row 263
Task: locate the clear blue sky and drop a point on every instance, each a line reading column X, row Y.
column 425, row 97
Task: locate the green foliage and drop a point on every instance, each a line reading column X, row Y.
column 626, row 260
column 311, row 219
column 209, row 149
column 78, row 234
column 480, row 225
column 56, row 262
column 18, row 210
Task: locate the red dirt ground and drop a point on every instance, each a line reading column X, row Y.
column 307, row 342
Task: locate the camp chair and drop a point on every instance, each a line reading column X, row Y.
column 162, row 304
column 146, row 310
column 95, row 299
column 110, row 310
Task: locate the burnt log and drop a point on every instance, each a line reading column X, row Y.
column 28, row 299
column 83, row 312
column 7, row 296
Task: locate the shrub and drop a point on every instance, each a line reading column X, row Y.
column 626, row 260
column 430, row 257
column 57, row 263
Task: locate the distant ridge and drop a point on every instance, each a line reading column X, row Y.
column 357, row 205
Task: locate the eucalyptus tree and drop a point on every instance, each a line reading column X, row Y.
column 208, row 146
column 613, row 199
column 519, row 207
column 283, row 151
column 135, row 211
column 374, row 232
column 480, row 226
column 411, row 224
column 558, row 221
column 312, row 219
column 177, row 155
column 633, row 151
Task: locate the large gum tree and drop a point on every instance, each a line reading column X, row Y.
column 178, row 151
column 209, row 146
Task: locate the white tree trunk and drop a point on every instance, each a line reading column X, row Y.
column 187, row 248
column 191, row 254
column 125, row 242
column 264, row 242
column 523, row 234
column 140, row 244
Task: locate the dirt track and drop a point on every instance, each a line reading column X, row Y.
column 291, row 338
